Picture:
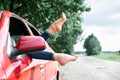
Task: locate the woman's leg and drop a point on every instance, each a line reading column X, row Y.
column 60, row 57
column 51, row 55
column 54, row 27
column 45, row 55
column 64, row 58
column 57, row 25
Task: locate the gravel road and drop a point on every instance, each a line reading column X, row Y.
column 90, row 68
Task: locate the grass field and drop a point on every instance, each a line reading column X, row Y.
column 112, row 57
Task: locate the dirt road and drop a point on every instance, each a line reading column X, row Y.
column 90, row 68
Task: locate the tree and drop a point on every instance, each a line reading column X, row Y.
column 41, row 13
column 92, row 45
column 119, row 52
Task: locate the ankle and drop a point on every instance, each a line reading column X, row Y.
column 51, row 30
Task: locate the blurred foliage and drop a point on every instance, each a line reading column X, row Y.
column 119, row 52
column 92, row 45
column 41, row 13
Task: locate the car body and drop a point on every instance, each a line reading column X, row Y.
column 21, row 67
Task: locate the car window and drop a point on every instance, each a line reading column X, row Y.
column 35, row 32
column 33, row 29
column 17, row 27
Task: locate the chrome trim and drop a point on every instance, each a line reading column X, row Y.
column 1, row 14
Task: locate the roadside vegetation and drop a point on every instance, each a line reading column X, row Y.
column 112, row 57
column 93, row 48
column 92, row 45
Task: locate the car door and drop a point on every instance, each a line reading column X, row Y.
column 21, row 67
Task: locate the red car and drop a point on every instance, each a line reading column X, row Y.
column 14, row 62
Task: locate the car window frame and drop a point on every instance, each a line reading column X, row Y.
column 1, row 15
column 28, row 29
column 23, row 21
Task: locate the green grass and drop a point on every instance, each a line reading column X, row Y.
column 112, row 57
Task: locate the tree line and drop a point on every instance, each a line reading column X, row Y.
column 41, row 13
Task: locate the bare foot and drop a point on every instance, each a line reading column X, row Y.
column 64, row 58
column 57, row 25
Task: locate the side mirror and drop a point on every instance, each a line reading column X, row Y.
column 30, row 43
column 27, row 44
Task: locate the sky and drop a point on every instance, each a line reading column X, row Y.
column 104, row 22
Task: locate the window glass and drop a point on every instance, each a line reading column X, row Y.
column 17, row 27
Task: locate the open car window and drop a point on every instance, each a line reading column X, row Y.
column 33, row 29
column 17, row 27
